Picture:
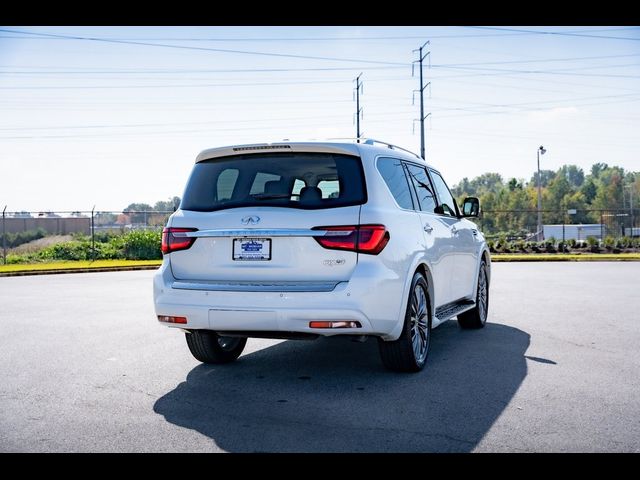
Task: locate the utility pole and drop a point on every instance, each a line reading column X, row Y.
column 93, row 235
column 420, row 60
column 4, row 237
column 357, row 92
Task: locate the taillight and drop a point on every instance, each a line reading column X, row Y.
column 369, row 239
column 172, row 242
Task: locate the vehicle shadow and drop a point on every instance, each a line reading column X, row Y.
column 333, row 395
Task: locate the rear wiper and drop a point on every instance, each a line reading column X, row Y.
column 269, row 196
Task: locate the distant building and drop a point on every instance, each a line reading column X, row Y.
column 632, row 232
column 577, row 232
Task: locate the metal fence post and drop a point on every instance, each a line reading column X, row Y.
column 93, row 237
column 564, row 217
column 4, row 237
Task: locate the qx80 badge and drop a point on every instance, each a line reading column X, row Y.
column 332, row 263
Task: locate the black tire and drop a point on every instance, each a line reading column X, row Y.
column 477, row 316
column 405, row 354
column 209, row 347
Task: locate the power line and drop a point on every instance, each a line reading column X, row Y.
column 566, row 59
column 190, row 85
column 506, row 72
column 543, row 32
column 137, row 125
column 206, row 49
column 317, row 39
column 313, row 69
column 179, row 71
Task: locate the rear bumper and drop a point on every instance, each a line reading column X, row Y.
column 375, row 304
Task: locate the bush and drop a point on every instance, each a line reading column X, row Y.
column 16, row 239
column 519, row 245
column 73, row 250
column 624, row 242
column 609, row 242
column 135, row 245
column 140, row 245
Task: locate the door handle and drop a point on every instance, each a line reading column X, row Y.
column 428, row 228
column 454, row 230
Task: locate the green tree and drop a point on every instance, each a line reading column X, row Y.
column 545, row 175
column 136, row 212
column 573, row 174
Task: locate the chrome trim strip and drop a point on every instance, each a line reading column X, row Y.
column 262, row 232
column 212, row 286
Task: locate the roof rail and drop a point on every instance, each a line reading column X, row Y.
column 372, row 141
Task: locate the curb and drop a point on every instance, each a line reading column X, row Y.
column 560, row 259
column 78, row 270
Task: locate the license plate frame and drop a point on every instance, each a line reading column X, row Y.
column 251, row 249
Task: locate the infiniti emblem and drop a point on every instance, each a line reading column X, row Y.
column 250, row 220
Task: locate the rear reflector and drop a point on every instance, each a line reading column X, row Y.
column 172, row 242
column 338, row 324
column 369, row 239
column 169, row 319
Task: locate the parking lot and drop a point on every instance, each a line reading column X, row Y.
column 85, row 367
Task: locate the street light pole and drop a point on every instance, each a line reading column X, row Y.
column 542, row 151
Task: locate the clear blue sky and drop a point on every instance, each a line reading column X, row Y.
column 107, row 123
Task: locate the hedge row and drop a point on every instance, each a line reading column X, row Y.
column 137, row 245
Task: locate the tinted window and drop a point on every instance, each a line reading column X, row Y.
column 423, row 187
column 395, row 178
column 226, row 181
column 294, row 180
column 260, row 181
column 447, row 204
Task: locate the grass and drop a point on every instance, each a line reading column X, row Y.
column 496, row 257
column 37, row 245
column 77, row 264
column 564, row 257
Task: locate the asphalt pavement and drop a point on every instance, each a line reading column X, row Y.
column 84, row 367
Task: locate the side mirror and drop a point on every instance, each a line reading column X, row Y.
column 471, row 207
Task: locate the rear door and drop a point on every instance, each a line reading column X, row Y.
column 257, row 215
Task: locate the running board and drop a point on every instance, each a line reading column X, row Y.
column 445, row 312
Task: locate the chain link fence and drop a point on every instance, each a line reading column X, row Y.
column 561, row 225
column 580, row 225
column 45, row 228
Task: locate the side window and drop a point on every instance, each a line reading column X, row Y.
column 298, row 185
column 393, row 174
column 447, row 205
column 423, row 187
column 329, row 188
column 226, row 182
column 261, row 180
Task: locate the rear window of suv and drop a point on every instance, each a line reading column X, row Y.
column 293, row 180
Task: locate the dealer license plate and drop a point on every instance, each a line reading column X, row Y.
column 252, row 249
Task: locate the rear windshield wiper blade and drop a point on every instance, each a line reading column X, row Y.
column 269, row 196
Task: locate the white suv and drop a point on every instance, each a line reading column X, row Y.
column 296, row 240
